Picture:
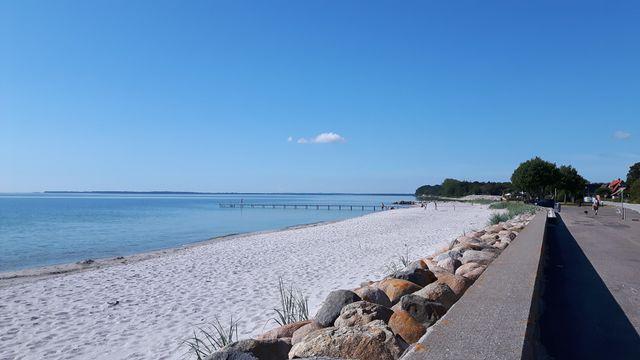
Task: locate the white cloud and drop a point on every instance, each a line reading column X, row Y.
column 621, row 135
column 289, row 139
column 323, row 138
column 329, row 137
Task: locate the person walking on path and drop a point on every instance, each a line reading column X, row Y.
column 596, row 205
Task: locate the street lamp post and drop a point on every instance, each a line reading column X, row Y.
column 622, row 202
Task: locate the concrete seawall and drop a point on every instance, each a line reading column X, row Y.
column 566, row 288
column 497, row 316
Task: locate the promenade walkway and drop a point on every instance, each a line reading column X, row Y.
column 591, row 295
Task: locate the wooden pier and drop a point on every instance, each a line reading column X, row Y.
column 307, row 206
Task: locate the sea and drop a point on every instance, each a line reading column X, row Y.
column 42, row 229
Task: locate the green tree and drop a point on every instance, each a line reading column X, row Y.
column 603, row 192
column 633, row 183
column 536, row 177
column 633, row 174
column 570, row 182
column 428, row 190
column 633, row 192
column 452, row 188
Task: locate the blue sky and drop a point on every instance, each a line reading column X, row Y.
column 205, row 95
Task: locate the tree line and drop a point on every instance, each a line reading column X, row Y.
column 458, row 188
column 535, row 178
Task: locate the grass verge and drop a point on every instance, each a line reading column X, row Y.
column 513, row 209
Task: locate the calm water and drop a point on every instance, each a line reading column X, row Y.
column 37, row 230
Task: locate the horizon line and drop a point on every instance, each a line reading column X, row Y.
column 166, row 192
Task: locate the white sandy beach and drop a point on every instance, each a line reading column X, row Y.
column 161, row 299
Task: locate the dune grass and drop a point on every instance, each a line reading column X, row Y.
column 498, row 218
column 398, row 263
column 499, row 205
column 294, row 305
column 211, row 337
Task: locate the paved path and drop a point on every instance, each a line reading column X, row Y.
column 613, row 248
column 592, row 290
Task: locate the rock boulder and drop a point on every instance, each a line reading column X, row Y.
column 231, row 355
column 494, row 229
column 362, row 313
column 501, row 245
column 303, row 331
column 417, row 264
column 417, row 276
column 471, row 270
column 273, row 349
column 449, row 264
column 424, row 311
column 285, row 331
column 440, row 293
column 479, row 257
column 408, row 328
column 333, row 304
column 373, row 341
column 458, row 284
column 397, row 288
column 374, row 295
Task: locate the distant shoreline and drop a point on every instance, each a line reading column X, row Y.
column 211, row 193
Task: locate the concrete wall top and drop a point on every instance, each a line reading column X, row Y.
column 490, row 320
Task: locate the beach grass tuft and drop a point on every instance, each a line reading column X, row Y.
column 497, row 218
column 397, row 264
column 294, row 305
column 211, row 337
